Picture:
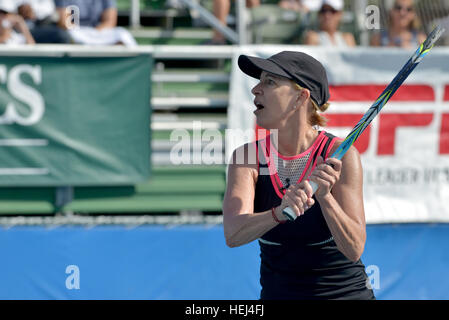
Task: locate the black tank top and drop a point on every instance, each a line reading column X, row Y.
column 299, row 259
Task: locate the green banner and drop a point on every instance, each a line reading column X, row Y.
column 75, row 121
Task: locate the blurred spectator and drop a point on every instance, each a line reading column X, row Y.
column 36, row 10
column 304, row 6
column 329, row 17
column 13, row 29
column 97, row 22
column 221, row 9
column 403, row 27
column 41, row 18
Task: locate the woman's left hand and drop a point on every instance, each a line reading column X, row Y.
column 325, row 175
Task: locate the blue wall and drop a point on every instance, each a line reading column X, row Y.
column 193, row 262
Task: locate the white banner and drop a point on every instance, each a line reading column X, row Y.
column 405, row 151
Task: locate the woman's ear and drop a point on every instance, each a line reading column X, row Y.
column 303, row 95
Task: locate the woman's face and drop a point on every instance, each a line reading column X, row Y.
column 275, row 98
column 329, row 18
column 402, row 13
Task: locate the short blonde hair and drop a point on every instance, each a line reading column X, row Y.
column 316, row 119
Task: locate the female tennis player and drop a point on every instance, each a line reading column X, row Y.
column 316, row 256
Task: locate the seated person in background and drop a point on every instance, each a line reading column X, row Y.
column 221, row 10
column 13, row 29
column 403, row 25
column 300, row 5
column 97, row 22
column 329, row 17
column 41, row 18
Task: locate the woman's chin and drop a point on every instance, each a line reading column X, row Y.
column 265, row 125
column 260, row 123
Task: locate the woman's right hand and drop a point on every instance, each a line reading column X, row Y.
column 298, row 198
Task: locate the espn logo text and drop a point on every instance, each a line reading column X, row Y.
column 413, row 106
column 388, row 125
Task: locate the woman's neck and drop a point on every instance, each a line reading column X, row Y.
column 291, row 142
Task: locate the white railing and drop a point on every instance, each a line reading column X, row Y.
column 158, row 51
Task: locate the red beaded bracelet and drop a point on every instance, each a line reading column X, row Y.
column 276, row 218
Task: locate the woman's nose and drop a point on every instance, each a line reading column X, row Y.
column 256, row 89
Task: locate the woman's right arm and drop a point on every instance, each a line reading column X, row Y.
column 241, row 224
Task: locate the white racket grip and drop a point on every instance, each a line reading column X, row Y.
column 314, row 187
column 289, row 213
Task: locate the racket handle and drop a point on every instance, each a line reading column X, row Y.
column 289, row 213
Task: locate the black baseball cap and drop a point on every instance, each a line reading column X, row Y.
column 303, row 69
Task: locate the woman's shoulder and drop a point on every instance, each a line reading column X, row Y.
column 244, row 162
column 246, row 155
column 353, row 153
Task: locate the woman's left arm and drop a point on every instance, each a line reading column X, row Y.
column 340, row 195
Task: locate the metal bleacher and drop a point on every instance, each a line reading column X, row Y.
column 160, row 23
